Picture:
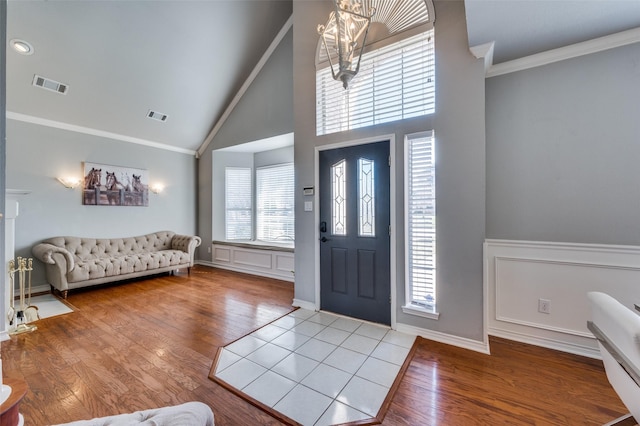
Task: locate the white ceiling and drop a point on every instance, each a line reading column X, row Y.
column 524, row 27
column 188, row 59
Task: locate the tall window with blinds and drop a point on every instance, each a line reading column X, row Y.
column 238, row 198
column 395, row 82
column 420, row 209
column 275, row 210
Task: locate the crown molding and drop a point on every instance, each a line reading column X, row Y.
column 588, row 47
column 484, row 51
column 94, row 132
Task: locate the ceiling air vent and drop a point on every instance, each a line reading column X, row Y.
column 155, row 115
column 47, row 83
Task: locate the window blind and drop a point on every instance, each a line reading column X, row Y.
column 275, row 216
column 238, row 205
column 421, row 220
column 395, row 82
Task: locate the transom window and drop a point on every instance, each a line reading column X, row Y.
column 395, row 82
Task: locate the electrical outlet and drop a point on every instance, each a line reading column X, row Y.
column 544, row 306
column 209, row 250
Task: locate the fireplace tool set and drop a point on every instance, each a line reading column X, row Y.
column 20, row 316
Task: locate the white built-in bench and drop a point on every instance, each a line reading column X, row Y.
column 264, row 259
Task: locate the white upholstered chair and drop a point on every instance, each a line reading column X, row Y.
column 617, row 329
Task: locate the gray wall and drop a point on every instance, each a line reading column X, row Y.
column 265, row 110
column 36, row 155
column 273, row 156
column 563, row 151
column 3, row 114
column 460, row 178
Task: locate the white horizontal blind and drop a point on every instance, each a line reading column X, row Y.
column 421, row 220
column 238, row 205
column 275, row 218
column 395, row 82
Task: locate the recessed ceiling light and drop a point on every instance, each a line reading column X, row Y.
column 21, row 46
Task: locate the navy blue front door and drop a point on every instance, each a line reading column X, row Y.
column 354, row 231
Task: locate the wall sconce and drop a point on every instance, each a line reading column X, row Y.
column 157, row 188
column 345, row 33
column 69, row 182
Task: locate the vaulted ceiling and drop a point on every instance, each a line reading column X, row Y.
column 188, row 59
column 120, row 59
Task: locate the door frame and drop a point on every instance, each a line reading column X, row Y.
column 392, row 213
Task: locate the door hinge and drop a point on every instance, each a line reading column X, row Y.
column 389, row 230
column 389, row 161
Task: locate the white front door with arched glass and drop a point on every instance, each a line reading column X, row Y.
column 354, row 231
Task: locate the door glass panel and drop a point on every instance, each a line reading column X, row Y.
column 366, row 198
column 338, row 198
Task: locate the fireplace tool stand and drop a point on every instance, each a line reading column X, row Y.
column 20, row 316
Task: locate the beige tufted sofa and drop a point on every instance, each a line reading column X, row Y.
column 74, row 262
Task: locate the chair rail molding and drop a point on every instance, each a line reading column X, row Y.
column 521, row 273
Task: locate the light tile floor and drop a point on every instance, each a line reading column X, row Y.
column 48, row 305
column 317, row 368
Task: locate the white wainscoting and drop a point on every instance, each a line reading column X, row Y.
column 266, row 262
column 519, row 273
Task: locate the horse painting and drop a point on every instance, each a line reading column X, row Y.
column 137, row 184
column 118, row 186
column 113, row 192
column 92, row 180
column 126, row 181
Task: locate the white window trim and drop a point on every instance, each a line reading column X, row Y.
column 430, row 312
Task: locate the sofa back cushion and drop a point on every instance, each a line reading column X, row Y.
column 95, row 248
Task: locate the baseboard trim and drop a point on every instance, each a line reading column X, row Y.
column 304, row 304
column 40, row 289
column 461, row 342
column 547, row 343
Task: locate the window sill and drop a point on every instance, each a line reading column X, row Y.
column 259, row 245
column 430, row 313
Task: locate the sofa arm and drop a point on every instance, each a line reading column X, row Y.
column 186, row 243
column 44, row 252
column 193, row 413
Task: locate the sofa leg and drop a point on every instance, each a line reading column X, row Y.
column 188, row 270
column 60, row 293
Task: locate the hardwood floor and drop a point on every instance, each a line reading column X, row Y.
column 150, row 343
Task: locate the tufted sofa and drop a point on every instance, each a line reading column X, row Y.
column 74, row 262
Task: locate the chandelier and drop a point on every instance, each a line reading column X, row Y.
column 344, row 36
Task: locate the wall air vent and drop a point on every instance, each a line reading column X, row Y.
column 47, row 83
column 155, row 115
